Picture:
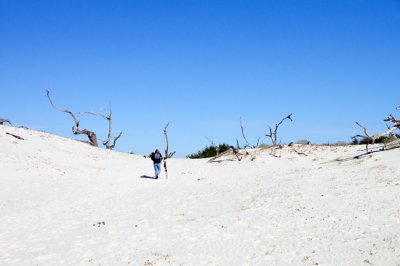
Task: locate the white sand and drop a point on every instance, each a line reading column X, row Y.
column 293, row 210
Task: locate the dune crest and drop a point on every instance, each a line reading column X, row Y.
column 63, row 202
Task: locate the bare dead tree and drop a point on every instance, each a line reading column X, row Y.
column 244, row 137
column 3, row 121
column 396, row 123
column 368, row 137
column 110, row 141
column 75, row 129
column 167, row 154
column 237, row 145
column 273, row 134
column 258, row 142
column 388, row 132
column 236, row 152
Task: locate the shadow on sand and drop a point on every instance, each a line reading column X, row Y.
column 149, row 177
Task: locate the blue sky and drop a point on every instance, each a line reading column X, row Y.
column 201, row 65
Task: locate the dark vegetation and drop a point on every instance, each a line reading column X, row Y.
column 209, row 151
column 383, row 139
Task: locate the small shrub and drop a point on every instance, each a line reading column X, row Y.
column 341, row 143
column 209, row 151
column 364, row 140
column 303, row 141
column 389, row 139
column 264, row 146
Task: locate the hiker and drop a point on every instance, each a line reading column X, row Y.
column 156, row 157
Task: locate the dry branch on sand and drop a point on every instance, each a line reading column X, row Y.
column 15, row 136
column 389, row 132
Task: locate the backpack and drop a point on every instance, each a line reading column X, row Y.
column 156, row 157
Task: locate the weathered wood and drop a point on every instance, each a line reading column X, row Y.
column 244, row 137
column 167, row 154
column 15, row 136
column 109, row 139
column 75, row 129
column 273, row 134
column 3, row 121
column 388, row 132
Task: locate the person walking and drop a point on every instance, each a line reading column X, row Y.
column 156, row 157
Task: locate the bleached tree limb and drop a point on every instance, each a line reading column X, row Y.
column 166, row 141
column 75, row 129
column 115, row 140
column 63, row 110
column 390, row 118
column 368, row 137
column 273, row 134
column 3, row 121
column 167, row 154
column 15, row 136
column 109, row 137
column 244, row 137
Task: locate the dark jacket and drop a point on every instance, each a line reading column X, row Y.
column 156, row 157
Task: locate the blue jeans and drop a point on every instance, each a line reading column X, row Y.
column 157, row 168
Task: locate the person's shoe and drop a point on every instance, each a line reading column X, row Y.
column 156, row 176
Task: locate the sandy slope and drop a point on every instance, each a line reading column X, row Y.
column 65, row 203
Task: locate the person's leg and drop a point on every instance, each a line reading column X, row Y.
column 157, row 168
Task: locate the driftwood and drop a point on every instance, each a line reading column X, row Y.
column 3, row 121
column 273, row 134
column 388, row 132
column 109, row 139
column 15, row 136
column 75, row 129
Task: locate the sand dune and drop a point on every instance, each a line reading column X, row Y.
column 65, row 203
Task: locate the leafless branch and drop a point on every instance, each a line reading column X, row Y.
column 258, row 142
column 95, row 114
column 3, row 121
column 368, row 137
column 115, row 140
column 273, row 134
column 393, row 120
column 15, row 136
column 109, row 138
column 244, row 137
column 167, row 154
column 63, row 110
column 166, row 140
column 75, row 129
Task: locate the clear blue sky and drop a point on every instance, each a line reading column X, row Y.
column 201, row 65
